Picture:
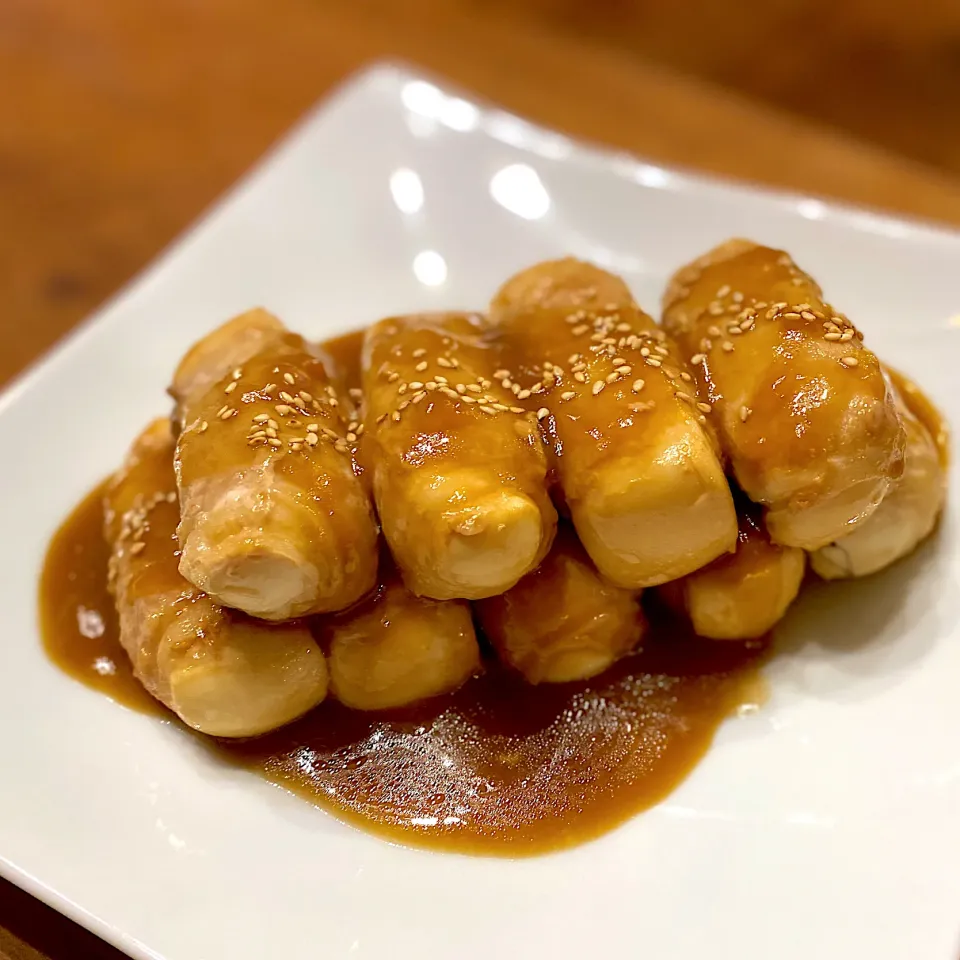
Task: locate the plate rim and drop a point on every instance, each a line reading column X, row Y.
column 355, row 86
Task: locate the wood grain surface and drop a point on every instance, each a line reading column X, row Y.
column 120, row 122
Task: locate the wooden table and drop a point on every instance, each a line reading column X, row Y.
column 119, row 122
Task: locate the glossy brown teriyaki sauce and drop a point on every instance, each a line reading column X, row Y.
column 499, row 768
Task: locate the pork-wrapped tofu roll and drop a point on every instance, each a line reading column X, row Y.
column 745, row 594
column 221, row 673
column 458, row 467
column 396, row 648
column 274, row 520
column 562, row 622
column 909, row 511
column 633, row 450
column 802, row 408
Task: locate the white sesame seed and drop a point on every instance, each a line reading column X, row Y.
column 227, row 414
column 580, row 330
column 598, row 386
column 704, row 407
column 543, row 412
column 288, row 377
column 304, row 396
column 613, row 375
column 230, row 387
column 417, row 385
column 419, row 352
column 697, row 359
column 652, row 362
column 638, row 385
column 283, row 409
column 312, row 427
column 203, row 427
column 833, row 335
column 849, row 361
column 619, row 362
column 724, row 290
column 311, row 439
column 523, row 394
column 727, row 346
column 269, row 387
column 568, row 394
column 274, row 442
column 745, row 412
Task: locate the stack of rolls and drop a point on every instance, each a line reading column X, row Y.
column 709, row 457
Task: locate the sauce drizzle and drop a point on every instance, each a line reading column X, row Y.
column 498, row 768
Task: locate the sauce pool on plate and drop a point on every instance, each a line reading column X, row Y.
column 498, row 768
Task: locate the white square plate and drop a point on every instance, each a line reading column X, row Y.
column 825, row 826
